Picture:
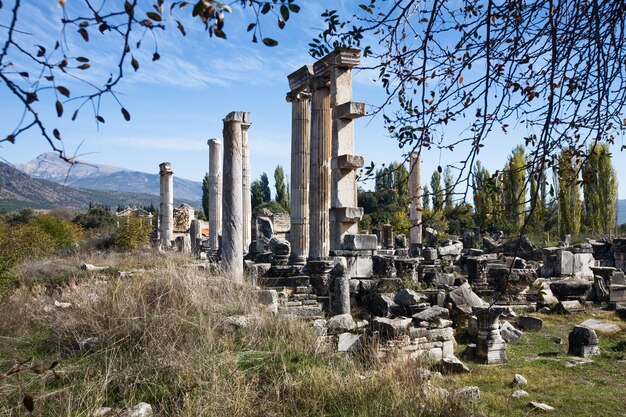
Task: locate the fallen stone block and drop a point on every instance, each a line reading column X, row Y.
column 432, row 313
column 540, row 406
column 341, row 323
column 602, row 326
column 569, row 307
column 472, row 393
column 465, row 299
column 529, row 324
column 570, row 289
column 583, row 342
column 349, row 342
column 406, row 297
column 509, row 333
column 390, row 328
column 452, row 365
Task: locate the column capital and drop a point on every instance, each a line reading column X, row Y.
column 299, row 79
column 297, row 96
column 237, row 116
column 213, row 141
column 343, row 58
column 165, row 168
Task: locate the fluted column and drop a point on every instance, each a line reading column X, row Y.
column 319, row 192
column 300, row 155
column 166, row 205
column 215, row 194
column 232, row 233
column 247, row 198
column 415, row 196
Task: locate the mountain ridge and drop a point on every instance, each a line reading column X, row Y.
column 18, row 189
column 48, row 166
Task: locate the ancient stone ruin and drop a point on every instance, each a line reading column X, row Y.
column 385, row 288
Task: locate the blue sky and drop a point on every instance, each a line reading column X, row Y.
column 178, row 102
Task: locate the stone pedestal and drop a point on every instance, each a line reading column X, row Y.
column 246, row 179
column 387, row 237
column 232, row 206
column 319, row 192
column 166, row 205
column 415, row 196
column 490, row 346
column 300, row 101
column 215, row 195
column 195, row 235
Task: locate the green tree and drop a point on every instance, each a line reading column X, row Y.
column 266, row 193
column 600, row 190
column 282, row 196
column 133, row 233
column 425, row 198
column 482, row 201
column 569, row 204
column 96, row 217
column 514, row 187
column 437, row 194
column 205, row 195
column 256, row 194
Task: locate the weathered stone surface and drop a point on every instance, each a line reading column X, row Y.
column 569, row 307
column 269, row 299
column 529, row 324
column 509, row 333
column 440, row 335
column 599, row 291
column 519, row 380
column 583, row 342
column 383, row 266
column 432, row 314
column 452, row 365
column 400, row 241
column 90, row 267
column 406, row 297
column 406, row 268
column 620, row 310
column 453, row 249
column 360, row 266
column 349, row 342
column 390, row 328
column 570, row 289
column 380, row 304
column 465, row 299
column 432, row 237
column 360, row 242
column 429, row 254
column 341, row 323
column 602, row 326
column 472, row 393
column 140, row 410
column 490, row 346
column 341, row 289
column 519, row 393
column 540, row 406
column 434, row 278
column 519, row 246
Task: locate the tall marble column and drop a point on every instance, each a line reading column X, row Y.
column 166, row 205
column 215, row 194
column 300, row 154
column 232, row 205
column 319, row 191
column 247, row 197
column 344, row 213
column 415, row 196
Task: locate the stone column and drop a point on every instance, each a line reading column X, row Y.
column 166, row 206
column 415, row 196
column 490, row 346
column 344, row 213
column 215, row 194
column 247, row 197
column 194, row 233
column 300, row 154
column 319, row 192
column 340, row 299
column 232, row 205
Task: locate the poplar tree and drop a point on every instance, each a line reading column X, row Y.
column 569, row 204
column 437, row 196
column 600, row 190
column 514, row 187
column 205, row 195
column 282, row 196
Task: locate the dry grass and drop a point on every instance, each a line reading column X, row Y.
column 163, row 337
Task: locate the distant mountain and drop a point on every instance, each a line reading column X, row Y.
column 49, row 166
column 18, row 190
column 621, row 211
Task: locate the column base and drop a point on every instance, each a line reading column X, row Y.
column 297, row 260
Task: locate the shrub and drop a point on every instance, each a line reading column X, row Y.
column 132, row 233
column 97, row 217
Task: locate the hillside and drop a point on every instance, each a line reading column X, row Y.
column 49, row 166
column 18, row 190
